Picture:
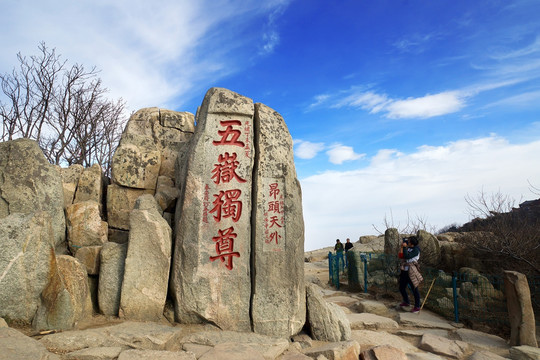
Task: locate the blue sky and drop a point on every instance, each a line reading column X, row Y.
column 398, row 109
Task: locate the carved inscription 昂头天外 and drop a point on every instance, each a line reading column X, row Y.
column 274, row 214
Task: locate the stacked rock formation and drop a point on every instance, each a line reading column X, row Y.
column 239, row 245
column 226, row 188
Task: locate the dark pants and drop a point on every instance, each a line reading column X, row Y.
column 405, row 280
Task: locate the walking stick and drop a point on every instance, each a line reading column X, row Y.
column 423, row 302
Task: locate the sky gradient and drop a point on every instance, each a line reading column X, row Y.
column 398, row 109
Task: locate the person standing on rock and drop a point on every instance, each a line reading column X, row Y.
column 338, row 248
column 410, row 272
column 348, row 246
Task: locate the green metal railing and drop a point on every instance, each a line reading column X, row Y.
column 461, row 296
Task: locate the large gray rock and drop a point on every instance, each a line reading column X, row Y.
column 524, row 352
column 151, row 144
column 326, row 321
column 269, row 347
column 25, row 263
column 148, row 261
column 278, row 269
column 66, row 299
column 111, row 275
column 15, row 345
column 455, row 349
column 210, row 279
column 120, row 202
column 392, row 242
column 28, row 183
column 156, row 355
column 430, row 252
column 89, row 257
column 343, row 350
column 90, row 185
column 129, row 334
column 70, row 180
column 520, row 310
column 84, row 225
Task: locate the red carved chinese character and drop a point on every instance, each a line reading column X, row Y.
column 274, row 191
column 274, row 236
column 229, row 136
column 274, row 221
column 225, row 170
column 226, row 205
column 224, row 247
column 273, row 206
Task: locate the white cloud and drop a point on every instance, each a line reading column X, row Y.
column 421, row 107
column 307, row 150
column 339, row 153
column 150, row 54
column 426, row 106
column 430, row 183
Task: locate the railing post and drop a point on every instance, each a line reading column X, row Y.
column 330, row 278
column 364, row 259
column 456, row 303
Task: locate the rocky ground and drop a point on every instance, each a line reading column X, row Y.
column 380, row 330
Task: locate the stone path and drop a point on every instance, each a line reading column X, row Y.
column 380, row 330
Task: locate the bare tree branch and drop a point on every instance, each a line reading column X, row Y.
column 63, row 108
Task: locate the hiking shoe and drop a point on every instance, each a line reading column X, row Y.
column 404, row 304
column 415, row 310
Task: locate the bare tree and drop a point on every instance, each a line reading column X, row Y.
column 411, row 226
column 503, row 233
column 63, row 108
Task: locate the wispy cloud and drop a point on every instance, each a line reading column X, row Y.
column 271, row 36
column 424, row 107
column 430, row 182
column 151, row 54
column 427, row 106
column 415, row 43
column 420, row 108
column 338, row 153
column 531, row 98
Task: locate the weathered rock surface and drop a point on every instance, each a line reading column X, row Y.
column 70, row 180
column 268, row 347
column 343, row 350
column 211, row 279
column 151, row 144
column 451, row 348
column 84, row 225
column 66, row 299
column 120, row 202
column 525, row 352
column 520, row 310
column 326, row 320
column 383, row 352
column 147, row 265
column 278, row 233
column 430, row 249
column 89, row 257
column 371, row 338
column 111, row 275
column 15, row 345
column 26, row 263
column 371, row 322
column 29, row 184
column 90, row 185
